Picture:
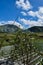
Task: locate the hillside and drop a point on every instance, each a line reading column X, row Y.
column 13, row 28
column 36, row 29
column 8, row 28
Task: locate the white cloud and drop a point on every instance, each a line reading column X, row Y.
column 11, row 22
column 23, row 13
column 31, row 23
column 24, row 21
column 19, row 25
column 24, row 5
column 41, row 9
column 31, row 13
column 38, row 13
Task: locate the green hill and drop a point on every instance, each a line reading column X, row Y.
column 8, row 28
column 35, row 29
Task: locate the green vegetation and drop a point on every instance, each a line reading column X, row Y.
column 23, row 45
column 36, row 29
column 9, row 39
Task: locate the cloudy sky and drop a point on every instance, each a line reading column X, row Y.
column 23, row 13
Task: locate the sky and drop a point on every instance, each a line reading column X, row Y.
column 23, row 13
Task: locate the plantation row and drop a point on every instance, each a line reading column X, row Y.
column 24, row 50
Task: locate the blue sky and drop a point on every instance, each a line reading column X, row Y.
column 25, row 13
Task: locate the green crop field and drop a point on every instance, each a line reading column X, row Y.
column 23, row 43
column 9, row 38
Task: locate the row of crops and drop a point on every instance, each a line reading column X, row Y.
column 24, row 50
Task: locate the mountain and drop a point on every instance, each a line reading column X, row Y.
column 35, row 29
column 9, row 28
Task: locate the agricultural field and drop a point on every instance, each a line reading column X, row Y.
column 9, row 39
column 25, row 46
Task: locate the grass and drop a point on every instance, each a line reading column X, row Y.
column 8, row 39
column 38, row 43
